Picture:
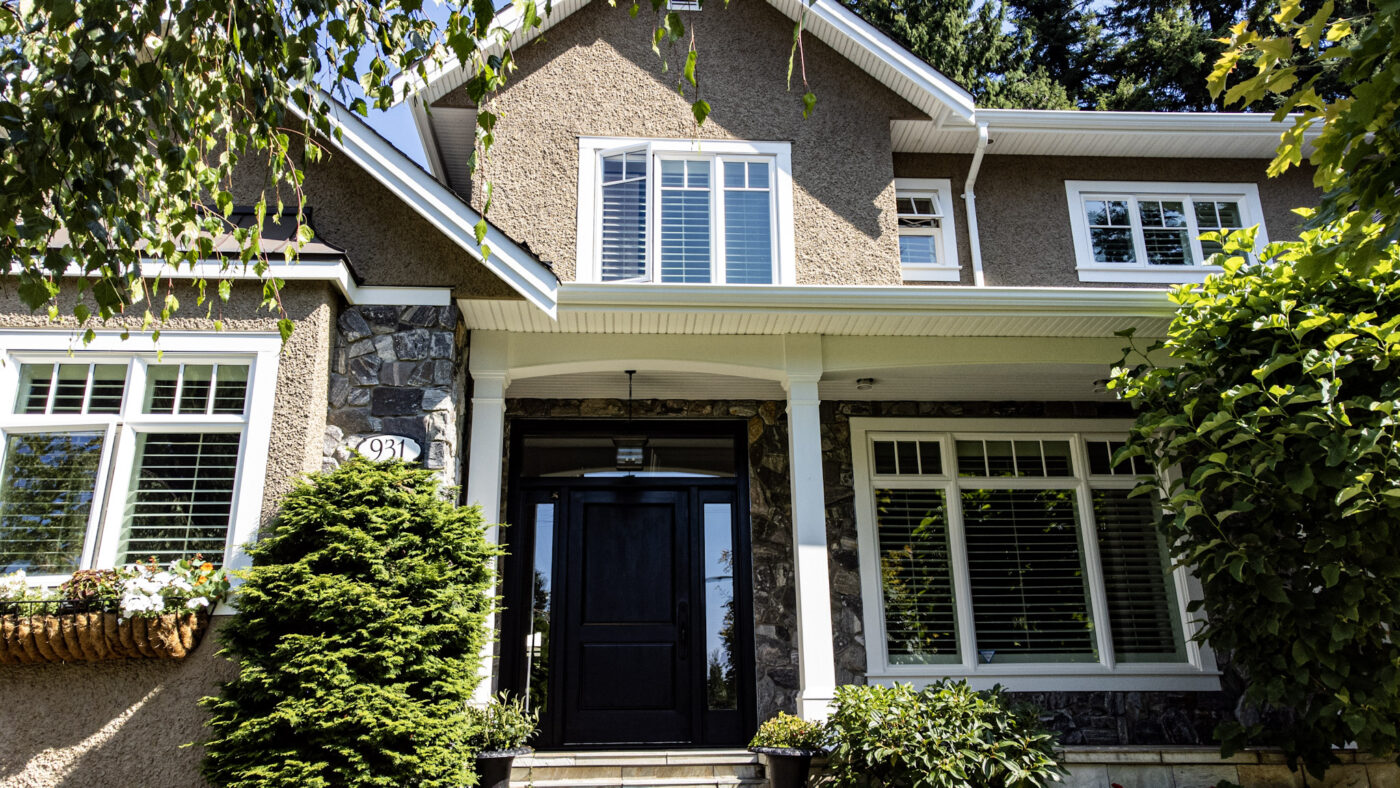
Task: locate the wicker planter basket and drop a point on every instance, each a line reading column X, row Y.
column 94, row 637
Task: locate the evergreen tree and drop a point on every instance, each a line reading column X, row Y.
column 358, row 638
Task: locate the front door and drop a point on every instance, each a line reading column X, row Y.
column 628, row 618
column 627, row 598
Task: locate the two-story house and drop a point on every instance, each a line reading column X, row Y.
column 771, row 404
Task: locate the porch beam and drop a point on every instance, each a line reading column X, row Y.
column 815, row 646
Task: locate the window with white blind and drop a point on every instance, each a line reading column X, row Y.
column 1016, row 557
column 684, row 212
column 109, row 457
column 1127, row 231
column 928, row 249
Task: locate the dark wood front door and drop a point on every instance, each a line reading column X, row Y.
column 628, row 618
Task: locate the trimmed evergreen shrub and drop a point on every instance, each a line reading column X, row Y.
column 358, row 638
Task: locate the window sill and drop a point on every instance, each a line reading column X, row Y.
column 1063, row 678
column 931, row 274
column 1162, row 275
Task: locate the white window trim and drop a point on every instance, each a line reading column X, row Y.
column 1090, row 271
column 941, row 189
column 260, row 351
column 590, row 197
column 1197, row 673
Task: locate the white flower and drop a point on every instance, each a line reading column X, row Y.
column 197, row 603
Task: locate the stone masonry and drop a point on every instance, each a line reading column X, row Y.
column 399, row 370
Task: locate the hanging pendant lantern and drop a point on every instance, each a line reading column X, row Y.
column 631, row 449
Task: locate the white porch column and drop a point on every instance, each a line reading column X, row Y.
column 488, row 366
column 815, row 648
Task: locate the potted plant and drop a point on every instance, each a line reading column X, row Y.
column 788, row 743
column 499, row 732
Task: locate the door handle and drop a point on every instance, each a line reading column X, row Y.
column 683, row 626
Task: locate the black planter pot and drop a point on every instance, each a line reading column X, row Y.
column 493, row 767
column 787, row 767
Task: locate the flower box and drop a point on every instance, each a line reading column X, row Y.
column 96, row 637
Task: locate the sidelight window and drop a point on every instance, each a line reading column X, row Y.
column 109, row 458
column 1016, row 555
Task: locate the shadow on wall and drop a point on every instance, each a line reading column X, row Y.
column 123, row 723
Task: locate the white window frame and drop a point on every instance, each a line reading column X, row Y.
column 1198, row 672
column 259, row 351
column 590, row 201
column 1077, row 192
column 941, row 190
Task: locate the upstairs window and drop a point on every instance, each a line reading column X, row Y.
column 928, row 250
column 683, row 212
column 1151, row 232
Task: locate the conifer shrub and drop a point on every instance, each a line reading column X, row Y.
column 358, row 638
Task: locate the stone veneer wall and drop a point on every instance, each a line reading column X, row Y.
column 1081, row 718
column 399, row 371
column 770, row 521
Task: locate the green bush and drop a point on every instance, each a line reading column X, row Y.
column 501, row 724
column 943, row 736
column 788, row 732
column 358, row 638
column 1279, row 408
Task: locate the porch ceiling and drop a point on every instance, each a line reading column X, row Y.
column 832, row 311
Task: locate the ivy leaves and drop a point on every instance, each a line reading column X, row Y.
column 1278, row 420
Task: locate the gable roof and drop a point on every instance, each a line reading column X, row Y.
column 441, row 207
column 942, row 99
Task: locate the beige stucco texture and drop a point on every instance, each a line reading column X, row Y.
column 1023, row 213
column 120, row 724
column 386, row 241
column 596, row 75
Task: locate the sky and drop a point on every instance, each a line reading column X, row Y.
column 397, row 126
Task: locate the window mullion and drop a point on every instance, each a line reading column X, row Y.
column 87, row 388
column 53, row 388
column 653, row 222
column 1139, row 237
column 114, row 501
column 717, row 196
column 1093, row 565
column 93, row 541
column 957, row 549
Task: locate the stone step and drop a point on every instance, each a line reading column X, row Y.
column 640, row 769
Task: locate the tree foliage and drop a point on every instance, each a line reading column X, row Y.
column 1279, row 412
column 358, row 638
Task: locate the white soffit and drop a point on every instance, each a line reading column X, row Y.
column 1089, row 133
column 646, row 385
column 833, row 311
column 975, row 382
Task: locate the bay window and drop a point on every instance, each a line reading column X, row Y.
column 109, row 456
column 685, row 212
column 1017, row 557
column 1129, row 231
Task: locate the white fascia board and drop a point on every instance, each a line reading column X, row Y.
column 427, row 137
column 829, row 299
column 334, row 271
column 865, row 35
column 925, row 78
column 441, row 207
column 1080, row 121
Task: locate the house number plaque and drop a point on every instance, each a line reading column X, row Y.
column 389, row 447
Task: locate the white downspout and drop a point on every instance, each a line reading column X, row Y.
column 974, row 238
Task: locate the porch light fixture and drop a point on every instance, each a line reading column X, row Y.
column 631, row 449
column 865, row 384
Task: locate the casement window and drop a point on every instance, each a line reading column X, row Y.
column 928, row 248
column 110, row 456
column 1018, row 557
column 685, row 212
column 1128, row 231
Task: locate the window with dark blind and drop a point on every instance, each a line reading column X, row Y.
column 181, row 496
column 1030, row 599
column 1137, row 579
column 916, row 577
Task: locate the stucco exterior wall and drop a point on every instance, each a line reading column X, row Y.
column 595, row 74
column 126, row 723
column 386, row 241
column 1023, row 214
